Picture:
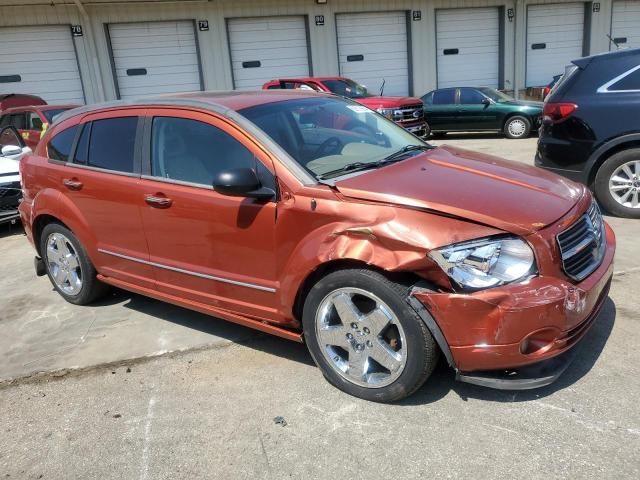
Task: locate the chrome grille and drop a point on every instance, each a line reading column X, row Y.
column 582, row 245
column 408, row 113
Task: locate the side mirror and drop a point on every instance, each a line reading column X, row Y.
column 487, row 102
column 11, row 150
column 241, row 182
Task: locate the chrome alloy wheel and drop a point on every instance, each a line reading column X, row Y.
column 624, row 184
column 517, row 127
column 361, row 337
column 64, row 264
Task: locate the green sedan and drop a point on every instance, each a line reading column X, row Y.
column 480, row 110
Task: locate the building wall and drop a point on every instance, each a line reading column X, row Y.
column 95, row 63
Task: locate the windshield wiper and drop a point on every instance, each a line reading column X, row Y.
column 402, row 152
column 349, row 167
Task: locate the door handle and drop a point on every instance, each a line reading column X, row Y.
column 158, row 201
column 72, row 183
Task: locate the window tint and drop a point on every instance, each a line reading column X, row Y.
column 630, row 82
column 4, row 120
column 82, row 150
column 428, row 98
column 471, row 96
column 112, row 143
column 18, row 120
column 33, row 121
column 59, row 146
column 193, row 151
column 444, row 97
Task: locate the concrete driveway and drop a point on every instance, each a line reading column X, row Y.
column 209, row 410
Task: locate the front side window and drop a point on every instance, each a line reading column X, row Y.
column 444, row 97
column 496, row 95
column 112, row 144
column 34, row 121
column 326, row 134
column 470, row 96
column 59, row 147
column 18, row 120
column 192, row 151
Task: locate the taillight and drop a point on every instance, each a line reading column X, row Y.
column 545, row 92
column 557, row 112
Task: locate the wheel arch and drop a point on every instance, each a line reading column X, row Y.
column 605, row 151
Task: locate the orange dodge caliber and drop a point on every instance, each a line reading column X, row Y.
column 376, row 249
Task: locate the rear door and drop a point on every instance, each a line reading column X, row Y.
column 206, row 247
column 102, row 181
column 441, row 109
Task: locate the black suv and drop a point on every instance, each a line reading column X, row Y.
column 591, row 129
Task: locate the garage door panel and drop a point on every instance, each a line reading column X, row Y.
column 279, row 44
column 45, row 59
column 625, row 23
column 477, row 60
column 166, row 50
column 560, row 27
column 381, row 38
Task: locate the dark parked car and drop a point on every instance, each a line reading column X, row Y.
column 481, row 109
column 591, row 129
column 547, row 89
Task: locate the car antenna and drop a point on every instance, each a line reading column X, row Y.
column 612, row 40
column 382, row 86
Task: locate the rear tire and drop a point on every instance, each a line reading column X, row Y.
column 617, row 184
column 68, row 267
column 517, row 127
column 364, row 336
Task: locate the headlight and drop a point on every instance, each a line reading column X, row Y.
column 486, row 263
column 387, row 112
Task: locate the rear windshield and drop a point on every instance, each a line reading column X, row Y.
column 53, row 113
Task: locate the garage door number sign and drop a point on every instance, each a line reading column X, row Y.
column 76, row 31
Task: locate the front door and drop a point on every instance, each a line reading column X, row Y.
column 206, row 247
column 475, row 111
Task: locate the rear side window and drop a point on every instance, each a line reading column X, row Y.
column 630, row 81
column 82, row 149
column 444, row 97
column 193, row 151
column 59, row 147
column 17, row 120
column 112, row 144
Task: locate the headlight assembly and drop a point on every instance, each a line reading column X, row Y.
column 486, row 263
column 387, row 112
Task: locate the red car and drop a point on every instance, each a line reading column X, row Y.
column 408, row 112
column 379, row 251
column 11, row 100
column 32, row 121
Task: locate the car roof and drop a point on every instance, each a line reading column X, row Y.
column 219, row 102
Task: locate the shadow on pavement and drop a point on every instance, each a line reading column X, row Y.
column 441, row 382
column 9, row 229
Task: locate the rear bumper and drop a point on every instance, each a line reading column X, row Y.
column 491, row 335
column 579, row 176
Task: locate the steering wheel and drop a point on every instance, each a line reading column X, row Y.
column 331, row 146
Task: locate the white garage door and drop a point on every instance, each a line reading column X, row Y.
column 41, row 61
column 468, row 45
column 625, row 24
column 372, row 48
column 554, row 38
column 265, row 48
column 152, row 58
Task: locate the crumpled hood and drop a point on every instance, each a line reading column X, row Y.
column 510, row 196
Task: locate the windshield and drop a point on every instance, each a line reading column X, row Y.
column 53, row 113
column 347, row 88
column 495, row 95
column 325, row 134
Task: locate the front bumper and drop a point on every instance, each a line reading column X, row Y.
column 492, row 334
column 10, row 195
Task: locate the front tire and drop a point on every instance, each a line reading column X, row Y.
column 517, row 127
column 617, row 184
column 69, row 269
column 365, row 338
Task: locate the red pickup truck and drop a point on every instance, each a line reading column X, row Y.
column 408, row 112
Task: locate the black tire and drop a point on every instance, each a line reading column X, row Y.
column 91, row 288
column 422, row 353
column 601, row 183
column 512, row 121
